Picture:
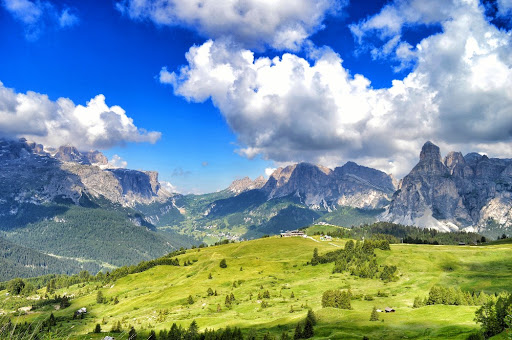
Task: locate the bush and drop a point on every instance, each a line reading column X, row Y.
column 223, row 263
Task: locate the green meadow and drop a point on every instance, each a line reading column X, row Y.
column 157, row 298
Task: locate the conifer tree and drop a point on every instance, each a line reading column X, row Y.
column 193, row 329
column 374, row 316
column 311, row 316
column 97, row 329
column 99, row 297
column 132, row 334
column 308, row 329
column 298, row 332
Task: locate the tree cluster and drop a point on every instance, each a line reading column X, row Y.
column 359, row 259
column 439, row 295
column 495, row 315
column 337, row 298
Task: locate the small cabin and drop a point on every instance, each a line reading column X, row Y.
column 293, row 233
column 389, row 310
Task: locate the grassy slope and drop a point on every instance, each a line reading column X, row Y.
column 278, row 265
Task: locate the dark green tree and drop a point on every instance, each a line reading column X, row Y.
column 193, row 330
column 374, row 316
column 190, row 300
column 15, row 286
column 223, row 263
column 132, row 334
column 312, row 317
column 152, row 335
column 51, row 320
column 308, row 329
column 97, row 329
column 99, row 297
column 298, row 332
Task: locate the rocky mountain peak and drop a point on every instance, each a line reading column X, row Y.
column 460, row 192
column 68, row 153
column 430, row 151
column 245, row 184
column 472, row 158
column 453, row 159
column 96, row 157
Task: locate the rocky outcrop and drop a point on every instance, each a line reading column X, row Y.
column 455, row 193
column 320, row 187
column 245, row 184
column 96, row 157
column 31, row 175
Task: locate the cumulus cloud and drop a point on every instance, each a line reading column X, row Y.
column 54, row 123
column 117, row 162
column 37, row 15
column 269, row 171
column 167, row 186
column 251, row 23
column 290, row 109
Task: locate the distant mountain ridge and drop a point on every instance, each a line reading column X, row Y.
column 64, row 202
column 69, row 174
column 320, row 187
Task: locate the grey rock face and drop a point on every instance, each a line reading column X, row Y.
column 457, row 193
column 96, row 157
column 68, row 153
column 30, row 175
column 320, row 187
column 245, row 184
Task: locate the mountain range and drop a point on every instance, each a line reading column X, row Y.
column 73, row 206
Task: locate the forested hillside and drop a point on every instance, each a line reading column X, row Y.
column 16, row 261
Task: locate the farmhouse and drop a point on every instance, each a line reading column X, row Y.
column 291, row 233
column 389, row 310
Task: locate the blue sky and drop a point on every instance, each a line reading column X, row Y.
column 209, row 103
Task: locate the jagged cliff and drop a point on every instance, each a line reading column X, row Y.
column 30, row 174
column 457, row 192
column 319, row 187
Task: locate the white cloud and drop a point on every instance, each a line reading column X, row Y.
column 117, row 162
column 269, row 171
column 67, row 19
column 287, row 109
column 37, row 15
column 54, row 123
column 281, row 24
column 167, row 186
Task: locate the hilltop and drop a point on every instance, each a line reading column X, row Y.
column 158, row 297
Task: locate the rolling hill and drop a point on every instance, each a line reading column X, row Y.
column 156, row 298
